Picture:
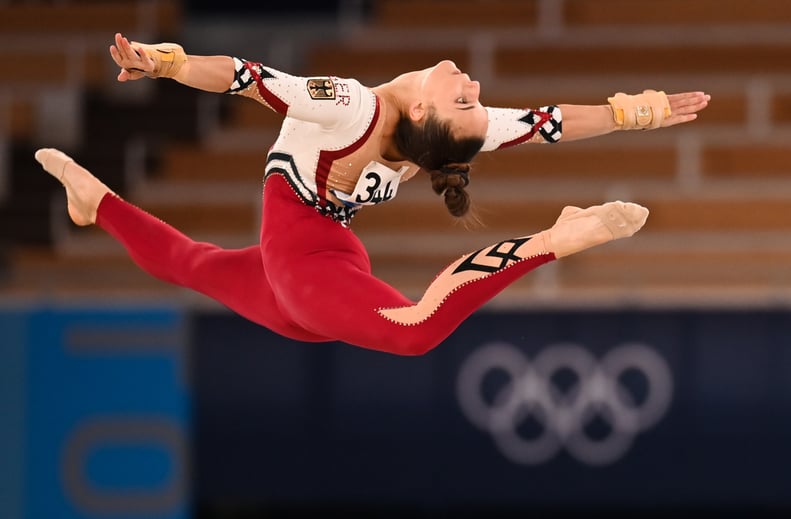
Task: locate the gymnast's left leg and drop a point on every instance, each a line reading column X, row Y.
column 323, row 279
column 475, row 278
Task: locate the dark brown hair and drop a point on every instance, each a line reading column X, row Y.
column 446, row 158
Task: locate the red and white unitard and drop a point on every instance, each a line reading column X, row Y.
column 309, row 278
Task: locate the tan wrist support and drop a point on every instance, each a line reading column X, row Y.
column 644, row 111
column 168, row 58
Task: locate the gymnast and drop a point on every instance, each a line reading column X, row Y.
column 344, row 146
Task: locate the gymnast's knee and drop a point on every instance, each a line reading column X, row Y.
column 408, row 346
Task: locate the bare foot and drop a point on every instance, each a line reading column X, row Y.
column 579, row 229
column 83, row 190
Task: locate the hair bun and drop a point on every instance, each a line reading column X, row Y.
column 457, row 201
column 461, row 171
column 452, row 185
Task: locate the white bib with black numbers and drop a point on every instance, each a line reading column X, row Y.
column 376, row 184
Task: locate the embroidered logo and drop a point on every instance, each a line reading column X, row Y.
column 502, row 253
column 321, row 88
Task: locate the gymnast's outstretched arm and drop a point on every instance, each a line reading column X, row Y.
column 585, row 121
column 648, row 110
column 136, row 60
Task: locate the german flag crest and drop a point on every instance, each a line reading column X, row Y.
column 321, row 88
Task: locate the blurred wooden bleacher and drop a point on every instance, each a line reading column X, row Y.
column 719, row 189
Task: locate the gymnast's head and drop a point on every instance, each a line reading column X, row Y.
column 442, row 129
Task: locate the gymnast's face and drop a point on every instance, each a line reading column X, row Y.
column 455, row 98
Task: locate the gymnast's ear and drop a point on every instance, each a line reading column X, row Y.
column 417, row 111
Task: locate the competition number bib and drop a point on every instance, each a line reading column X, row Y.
column 376, row 184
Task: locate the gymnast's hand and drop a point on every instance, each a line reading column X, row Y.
column 684, row 107
column 134, row 64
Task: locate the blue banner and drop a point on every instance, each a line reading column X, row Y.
column 14, row 327
column 103, row 413
column 518, row 411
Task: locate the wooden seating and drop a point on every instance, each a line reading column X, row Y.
column 781, row 108
column 35, row 67
column 19, row 115
column 100, row 273
column 674, row 270
column 709, row 185
column 576, row 161
column 372, row 64
column 245, row 114
column 454, row 14
column 191, row 164
column 81, row 17
column 674, row 13
column 668, row 59
column 756, row 161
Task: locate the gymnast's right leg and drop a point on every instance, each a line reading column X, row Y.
column 235, row 278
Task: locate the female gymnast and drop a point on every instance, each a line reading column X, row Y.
column 343, row 146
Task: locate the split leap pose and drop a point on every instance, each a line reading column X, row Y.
column 343, row 146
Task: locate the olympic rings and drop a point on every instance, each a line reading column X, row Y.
column 563, row 414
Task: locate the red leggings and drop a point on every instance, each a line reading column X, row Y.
column 310, row 278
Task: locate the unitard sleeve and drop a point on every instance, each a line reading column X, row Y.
column 511, row 126
column 327, row 100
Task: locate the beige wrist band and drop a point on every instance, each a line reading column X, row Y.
column 644, row 111
column 168, row 58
